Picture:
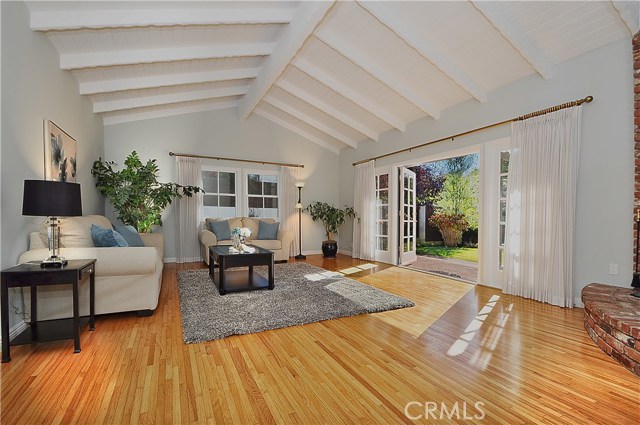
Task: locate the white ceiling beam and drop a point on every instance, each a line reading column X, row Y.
column 170, row 54
column 284, row 107
column 349, row 93
column 494, row 14
column 629, row 12
column 312, row 100
column 389, row 19
column 108, row 86
column 377, row 72
column 296, row 129
column 59, row 20
column 141, row 102
column 167, row 112
column 307, row 17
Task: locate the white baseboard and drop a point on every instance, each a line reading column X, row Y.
column 311, row 252
column 345, row 252
column 170, row 260
column 577, row 302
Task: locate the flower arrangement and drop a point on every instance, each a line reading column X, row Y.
column 241, row 232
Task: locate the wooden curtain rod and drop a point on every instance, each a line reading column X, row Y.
column 220, row 158
column 578, row 102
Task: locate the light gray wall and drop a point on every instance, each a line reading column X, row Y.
column 34, row 89
column 221, row 133
column 605, row 188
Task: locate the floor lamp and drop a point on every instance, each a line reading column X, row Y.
column 299, row 185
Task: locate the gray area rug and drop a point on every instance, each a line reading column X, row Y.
column 303, row 294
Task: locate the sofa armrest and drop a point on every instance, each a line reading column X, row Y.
column 207, row 238
column 119, row 261
column 285, row 237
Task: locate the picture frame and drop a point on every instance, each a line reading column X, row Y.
column 60, row 154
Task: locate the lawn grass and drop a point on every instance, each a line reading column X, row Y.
column 459, row 253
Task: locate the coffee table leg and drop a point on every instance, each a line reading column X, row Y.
column 221, row 288
column 92, row 299
column 5, row 322
column 76, row 319
column 34, row 312
column 271, row 278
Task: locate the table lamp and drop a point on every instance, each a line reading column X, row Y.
column 45, row 198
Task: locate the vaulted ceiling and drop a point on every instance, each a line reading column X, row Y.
column 336, row 73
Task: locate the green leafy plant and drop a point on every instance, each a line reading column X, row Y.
column 135, row 192
column 331, row 217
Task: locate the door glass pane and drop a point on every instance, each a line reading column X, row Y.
column 503, row 211
column 504, row 162
column 227, row 182
column 502, row 233
column 384, row 181
column 501, row 259
column 383, row 213
column 503, row 186
column 383, row 228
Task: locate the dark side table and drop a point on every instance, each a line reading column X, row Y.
column 32, row 275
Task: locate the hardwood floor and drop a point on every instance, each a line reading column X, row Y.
column 526, row 362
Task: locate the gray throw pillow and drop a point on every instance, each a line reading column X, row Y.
column 268, row 231
column 106, row 238
column 130, row 234
column 221, row 229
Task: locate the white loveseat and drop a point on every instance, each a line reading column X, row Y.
column 280, row 246
column 127, row 278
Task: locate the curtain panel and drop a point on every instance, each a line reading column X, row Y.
column 288, row 178
column 365, row 207
column 541, row 204
column 188, row 211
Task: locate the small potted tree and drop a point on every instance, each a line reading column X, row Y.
column 135, row 191
column 331, row 218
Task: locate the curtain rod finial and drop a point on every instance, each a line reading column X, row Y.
column 172, row 154
column 588, row 99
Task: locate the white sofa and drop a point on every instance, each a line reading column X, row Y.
column 127, row 278
column 279, row 246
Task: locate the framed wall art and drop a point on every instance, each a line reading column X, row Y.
column 59, row 154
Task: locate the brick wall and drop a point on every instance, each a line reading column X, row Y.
column 636, row 121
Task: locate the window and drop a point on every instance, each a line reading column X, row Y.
column 504, row 179
column 262, row 194
column 220, row 198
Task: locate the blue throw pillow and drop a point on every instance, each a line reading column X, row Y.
column 106, row 238
column 221, row 229
column 268, row 230
column 130, row 234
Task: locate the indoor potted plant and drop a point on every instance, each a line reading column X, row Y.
column 331, row 218
column 135, row 192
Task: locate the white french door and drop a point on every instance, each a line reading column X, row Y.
column 407, row 215
column 382, row 235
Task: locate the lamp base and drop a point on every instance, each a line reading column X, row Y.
column 54, row 262
column 300, row 257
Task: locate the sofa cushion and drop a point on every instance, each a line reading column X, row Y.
column 75, row 232
column 106, row 238
column 268, row 230
column 130, row 234
column 221, row 229
column 254, row 224
column 271, row 245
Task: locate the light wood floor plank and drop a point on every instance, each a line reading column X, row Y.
column 527, row 362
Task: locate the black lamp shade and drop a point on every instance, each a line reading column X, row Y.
column 47, row 198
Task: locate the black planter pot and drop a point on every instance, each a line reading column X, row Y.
column 329, row 249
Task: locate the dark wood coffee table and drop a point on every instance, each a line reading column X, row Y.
column 220, row 260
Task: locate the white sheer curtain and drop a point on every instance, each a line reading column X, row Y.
column 288, row 178
column 188, row 211
column 365, row 207
column 543, row 175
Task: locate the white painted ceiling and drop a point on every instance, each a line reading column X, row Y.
column 336, row 73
